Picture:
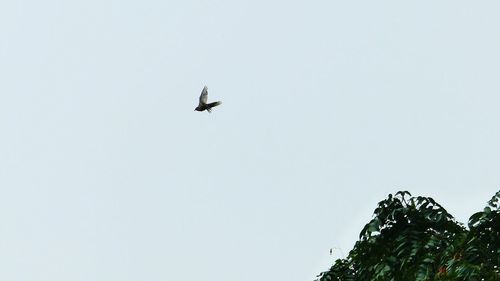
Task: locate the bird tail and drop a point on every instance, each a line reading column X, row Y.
column 212, row 104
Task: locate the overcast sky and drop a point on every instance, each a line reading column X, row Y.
column 108, row 173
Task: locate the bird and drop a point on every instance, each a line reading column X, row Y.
column 203, row 101
column 331, row 251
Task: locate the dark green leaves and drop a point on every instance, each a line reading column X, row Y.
column 415, row 238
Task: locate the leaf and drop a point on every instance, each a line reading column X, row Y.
column 474, row 219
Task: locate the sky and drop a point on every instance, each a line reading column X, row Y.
column 108, row 173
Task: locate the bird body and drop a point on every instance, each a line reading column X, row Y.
column 203, row 105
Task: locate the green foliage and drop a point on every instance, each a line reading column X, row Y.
column 415, row 238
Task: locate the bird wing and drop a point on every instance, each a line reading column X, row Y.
column 204, row 96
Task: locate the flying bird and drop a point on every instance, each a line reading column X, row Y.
column 203, row 101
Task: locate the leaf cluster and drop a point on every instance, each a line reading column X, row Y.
column 415, row 238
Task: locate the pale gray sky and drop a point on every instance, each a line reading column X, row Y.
column 108, row 173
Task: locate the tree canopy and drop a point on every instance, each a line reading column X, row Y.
column 415, row 238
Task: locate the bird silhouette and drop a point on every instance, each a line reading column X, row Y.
column 203, row 105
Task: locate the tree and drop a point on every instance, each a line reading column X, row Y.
column 415, row 238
